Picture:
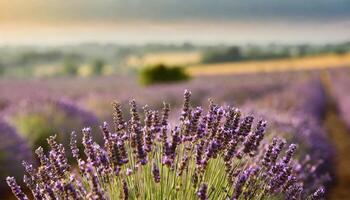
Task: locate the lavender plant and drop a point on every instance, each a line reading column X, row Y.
column 338, row 83
column 13, row 149
column 301, row 119
column 36, row 120
column 219, row 154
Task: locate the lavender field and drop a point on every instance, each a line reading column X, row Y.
column 266, row 135
column 174, row 100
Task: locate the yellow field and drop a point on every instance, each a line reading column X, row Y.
column 290, row 64
column 169, row 58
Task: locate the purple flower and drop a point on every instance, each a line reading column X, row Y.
column 186, row 106
column 183, row 164
column 128, row 171
column 268, row 154
column 16, row 189
column 318, row 194
column 281, row 178
column 290, row 152
column 202, row 192
column 90, row 150
column 245, row 126
column 137, row 134
column 242, row 179
column 155, row 172
column 119, row 124
column 73, row 145
column 125, row 190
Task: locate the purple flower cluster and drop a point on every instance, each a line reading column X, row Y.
column 215, row 155
column 303, row 120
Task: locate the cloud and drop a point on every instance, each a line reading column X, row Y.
column 202, row 21
column 175, row 10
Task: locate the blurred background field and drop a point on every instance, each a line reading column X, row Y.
column 63, row 63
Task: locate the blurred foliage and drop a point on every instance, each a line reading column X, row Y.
column 161, row 73
column 3, row 103
column 36, row 123
column 29, row 61
column 2, row 69
column 226, row 55
column 217, row 54
column 13, row 150
column 70, row 67
column 97, row 67
column 38, row 126
column 33, row 57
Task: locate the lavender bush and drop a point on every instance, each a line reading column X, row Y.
column 299, row 111
column 36, row 120
column 340, row 81
column 13, row 149
column 219, row 154
column 303, row 98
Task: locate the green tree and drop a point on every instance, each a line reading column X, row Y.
column 97, row 66
column 232, row 53
column 70, row 67
column 2, row 69
column 161, row 73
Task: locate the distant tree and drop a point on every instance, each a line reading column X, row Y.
column 70, row 67
column 2, row 69
column 340, row 51
column 161, row 73
column 227, row 55
column 188, row 46
column 97, row 66
column 234, row 53
column 303, row 50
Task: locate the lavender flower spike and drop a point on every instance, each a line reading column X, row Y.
column 16, row 189
column 186, row 106
column 202, row 192
column 156, row 173
column 318, row 195
column 242, row 179
column 73, row 145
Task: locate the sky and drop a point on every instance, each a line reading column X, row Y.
column 174, row 21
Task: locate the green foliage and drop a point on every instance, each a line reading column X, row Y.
column 231, row 54
column 161, row 73
column 97, row 67
column 70, row 67
column 141, row 182
column 35, row 125
column 2, row 69
column 217, row 54
column 38, row 126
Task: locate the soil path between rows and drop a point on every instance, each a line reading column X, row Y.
column 339, row 135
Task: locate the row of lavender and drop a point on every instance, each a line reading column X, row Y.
column 26, row 125
column 217, row 154
column 96, row 93
column 340, row 80
column 299, row 111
